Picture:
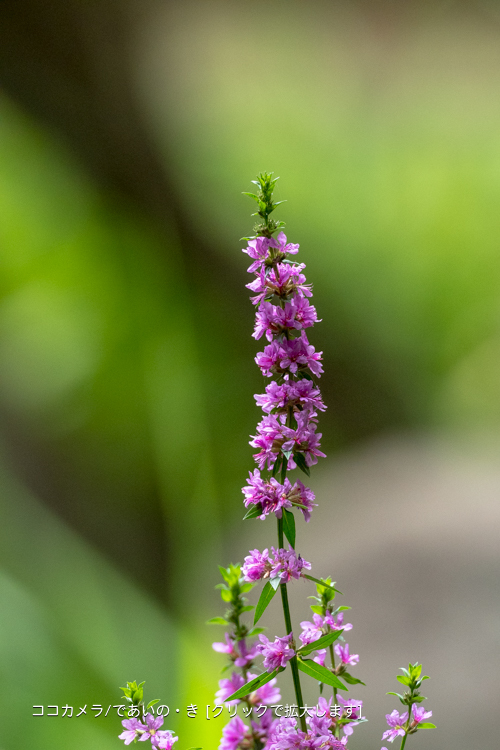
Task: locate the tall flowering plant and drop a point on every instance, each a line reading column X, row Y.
column 286, row 440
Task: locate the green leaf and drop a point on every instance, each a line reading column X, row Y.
column 289, row 526
column 351, row 680
column 254, row 512
column 248, row 608
column 251, row 686
column 265, row 598
column 303, row 372
column 252, row 195
column 317, row 609
column 152, row 703
column 323, row 584
column 426, row 725
column 322, row 674
column 397, row 696
column 255, row 631
column 284, row 467
column 217, row 621
column 323, row 642
column 404, row 680
column 301, row 463
column 276, row 466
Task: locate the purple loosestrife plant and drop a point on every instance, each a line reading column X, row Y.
column 286, row 440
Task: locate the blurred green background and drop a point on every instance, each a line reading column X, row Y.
column 127, row 132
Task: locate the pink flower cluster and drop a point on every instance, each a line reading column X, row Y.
column 285, row 735
column 311, row 631
column 397, row 723
column 273, row 496
column 291, row 394
column 288, row 357
column 277, row 653
column 135, row 730
column 259, row 250
column 275, row 437
column 273, row 320
column 282, row 280
column 283, row 564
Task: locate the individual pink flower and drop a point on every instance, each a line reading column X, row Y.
column 337, row 622
column 311, row 631
column 233, row 734
column 285, row 247
column 237, row 652
column 343, row 654
column 320, row 657
column 396, row 724
column 356, row 708
column 277, row 653
column 164, row 740
column 258, row 249
column 419, row 714
column 225, row 648
column 152, row 726
column 132, row 729
column 256, row 565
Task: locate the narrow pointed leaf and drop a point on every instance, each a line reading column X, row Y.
column 301, row 463
column 253, row 685
column 351, row 680
column 426, row 725
column 276, row 466
column 323, row 642
column 254, row 512
column 265, row 598
column 322, row 674
column 289, row 526
column 217, row 621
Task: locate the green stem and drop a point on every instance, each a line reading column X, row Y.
column 403, row 741
column 288, row 625
column 332, row 657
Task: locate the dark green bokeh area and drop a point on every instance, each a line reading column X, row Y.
column 127, row 134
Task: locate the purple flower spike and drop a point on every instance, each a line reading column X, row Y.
column 276, row 654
